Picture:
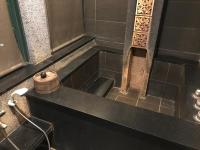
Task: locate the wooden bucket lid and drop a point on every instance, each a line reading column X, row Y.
column 45, row 77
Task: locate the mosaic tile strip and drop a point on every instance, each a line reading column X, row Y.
column 139, row 39
column 144, row 7
column 142, row 23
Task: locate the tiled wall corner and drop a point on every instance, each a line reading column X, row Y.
column 106, row 20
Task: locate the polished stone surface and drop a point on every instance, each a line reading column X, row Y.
column 121, row 115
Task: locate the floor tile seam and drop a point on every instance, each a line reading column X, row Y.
column 110, row 70
column 160, row 105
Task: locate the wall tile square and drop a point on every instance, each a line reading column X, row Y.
column 110, row 31
column 139, row 39
column 114, row 62
column 142, row 23
column 183, row 13
column 180, row 39
column 89, row 9
column 90, row 26
column 159, row 71
column 144, row 7
column 116, row 45
column 112, row 10
column 155, row 88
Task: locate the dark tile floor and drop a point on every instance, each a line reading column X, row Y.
column 166, row 80
column 171, row 86
column 151, row 103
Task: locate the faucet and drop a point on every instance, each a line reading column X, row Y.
column 20, row 92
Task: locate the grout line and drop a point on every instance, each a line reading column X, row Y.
column 169, row 66
column 181, row 28
column 183, row 1
column 166, row 83
column 101, row 38
column 179, row 109
column 105, row 69
column 95, row 16
column 126, row 97
column 72, row 81
column 105, row 59
column 160, row 105
column 111, row 21
column 116, row 98
column 137, row 102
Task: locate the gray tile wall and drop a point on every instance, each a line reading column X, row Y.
column 110, row 66
column 106, row 19
column 180, row 34
column 85, row 75
column 104, row 64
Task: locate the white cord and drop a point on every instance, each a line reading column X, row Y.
column 49, row 146
column 10, row 141
column 13, row 144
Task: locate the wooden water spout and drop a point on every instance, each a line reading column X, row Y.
column 140, row 43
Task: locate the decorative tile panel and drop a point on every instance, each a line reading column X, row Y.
column 144, row 7
column 142, row 23
column 139, row 39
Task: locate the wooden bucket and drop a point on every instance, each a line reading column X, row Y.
column 46, row 82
